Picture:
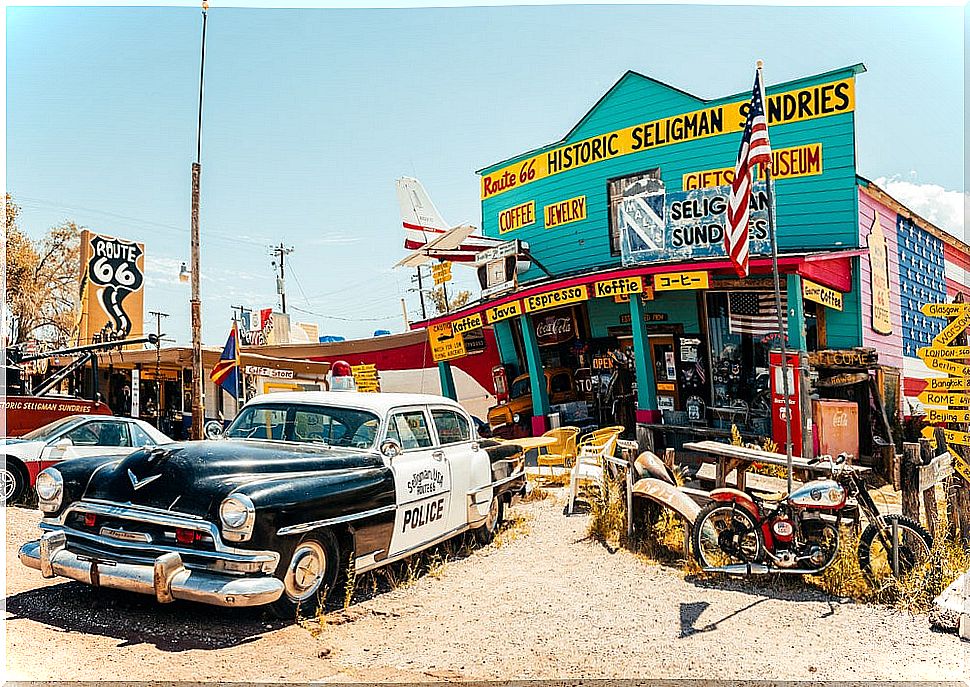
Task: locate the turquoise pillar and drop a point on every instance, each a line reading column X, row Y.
column 537, row 376
column 646, row 384
column 795, row 314
column 447, row 380
column 506, row 343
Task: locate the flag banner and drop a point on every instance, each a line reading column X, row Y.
column 755, row 149
column 226, row 371
column 754, row 312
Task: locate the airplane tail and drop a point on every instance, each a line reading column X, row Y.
column 422, row 221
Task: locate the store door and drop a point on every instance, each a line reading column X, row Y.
column 664, row 360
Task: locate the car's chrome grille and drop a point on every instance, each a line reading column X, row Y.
column 139, row 532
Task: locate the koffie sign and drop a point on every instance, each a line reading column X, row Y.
column 686, row 224
column 811, row 102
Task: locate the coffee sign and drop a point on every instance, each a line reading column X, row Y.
column 555, row 328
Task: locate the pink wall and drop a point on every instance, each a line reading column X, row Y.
column 890, row 347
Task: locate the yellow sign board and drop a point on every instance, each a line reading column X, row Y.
column 564, row 212
column 942, row 398
column 365, row 377
column 517, row 217
column 960, row 465
column 952, row 436
column 445, row 343
column 947, row 384
column 948, row 366
column 498, row 313
column 466, row 324
column 553, row 299
column 622, row 286
column 441, row 273
column 677, row 281
column 934, row 416
column 943, row 352
column 112, row 289
column 944, row 309
column 810, row 102
column 821, row 294
column 953, row 330
column 798, row 161
column 879, row 278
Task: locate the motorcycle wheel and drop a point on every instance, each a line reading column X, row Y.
column 725, row 534
column 876, row 556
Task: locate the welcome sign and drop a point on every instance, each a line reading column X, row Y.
column 682, row 225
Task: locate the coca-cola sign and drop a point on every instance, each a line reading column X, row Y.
column 555, row 328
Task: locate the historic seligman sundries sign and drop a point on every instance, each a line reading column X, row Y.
column 683, row 225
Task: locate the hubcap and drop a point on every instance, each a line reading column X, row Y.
column 305, row 573
column 9, row 483
column 492, row 514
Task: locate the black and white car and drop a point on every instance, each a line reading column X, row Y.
column 301, row 483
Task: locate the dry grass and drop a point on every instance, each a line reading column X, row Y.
column 515, row 527
column 844, row 578
column 538, row 493
column 607, row 513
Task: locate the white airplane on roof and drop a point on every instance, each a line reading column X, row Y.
column 427, row 234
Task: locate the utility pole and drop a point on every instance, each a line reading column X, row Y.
column 424, row 313
column 279, row 253
column 158, row 365
column 198, row 411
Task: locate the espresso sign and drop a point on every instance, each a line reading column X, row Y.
column 555, row 328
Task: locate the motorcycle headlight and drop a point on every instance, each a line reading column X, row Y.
column 50, row 490
column 238, row 515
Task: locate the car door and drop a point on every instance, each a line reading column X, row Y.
column 92, row 438
column 454, row 436
column 422, row 481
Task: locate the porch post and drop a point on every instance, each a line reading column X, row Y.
column 537, row 377
column 646, row 384
column 447, row 380
column 796, row 314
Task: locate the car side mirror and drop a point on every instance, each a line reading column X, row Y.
column 213, row 429
column 390, row 448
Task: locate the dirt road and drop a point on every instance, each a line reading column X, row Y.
column 548, row 603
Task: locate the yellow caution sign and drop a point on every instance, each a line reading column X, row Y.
column 445, row 343
column 945, row 399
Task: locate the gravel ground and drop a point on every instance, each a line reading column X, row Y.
column 547, row 603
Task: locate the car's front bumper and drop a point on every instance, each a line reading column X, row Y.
column 167, row 578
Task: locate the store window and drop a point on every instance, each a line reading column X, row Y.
column 742, row 327
column 643, row 193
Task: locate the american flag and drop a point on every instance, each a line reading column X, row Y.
column 755, row 149
column 922, row 279
column 754, row 312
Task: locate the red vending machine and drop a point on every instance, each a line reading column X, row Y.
column 779, row 406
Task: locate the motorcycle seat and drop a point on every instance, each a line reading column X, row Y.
column 772, row 497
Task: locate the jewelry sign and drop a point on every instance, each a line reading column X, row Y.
column 684, row 225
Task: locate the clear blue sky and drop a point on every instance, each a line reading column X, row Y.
column 311, row 114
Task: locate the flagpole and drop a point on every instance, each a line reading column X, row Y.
column 782, row 334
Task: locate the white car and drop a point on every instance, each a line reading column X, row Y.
column 76, row 436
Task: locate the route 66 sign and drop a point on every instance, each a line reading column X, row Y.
column 112, row 300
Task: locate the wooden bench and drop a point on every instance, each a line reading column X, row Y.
column 729, row 458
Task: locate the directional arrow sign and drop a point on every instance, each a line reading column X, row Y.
column 944, row 352
column 959, row 464
column 948, row 366
column 934, row 416
column 944, row 384
column 944, row 309
column 953, row 330
column 952, row 436
column 942, row 398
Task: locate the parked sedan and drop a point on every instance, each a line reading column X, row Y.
column 302, row 484
column 75, row 436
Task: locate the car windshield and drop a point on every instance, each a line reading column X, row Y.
column 50, row 429
column 520, row 387
column 330, row 425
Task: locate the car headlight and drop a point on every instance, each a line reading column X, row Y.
column 50, row 490
column 516, row 418
column 238, row 515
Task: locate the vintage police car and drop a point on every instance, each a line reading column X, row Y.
column 302, row 483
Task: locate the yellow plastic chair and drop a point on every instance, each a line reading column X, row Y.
column 561, row 454
column 590, row 461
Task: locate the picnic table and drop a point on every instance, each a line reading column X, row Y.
column 730, row 457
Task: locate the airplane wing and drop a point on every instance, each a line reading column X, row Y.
column 442, row 246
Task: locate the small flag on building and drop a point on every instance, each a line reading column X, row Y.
column 226, row 371
column 755, row 149
column 753, row 312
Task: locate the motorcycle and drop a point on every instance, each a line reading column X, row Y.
column 798, row 533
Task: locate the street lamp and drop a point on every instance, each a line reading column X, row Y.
column 198, row 412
